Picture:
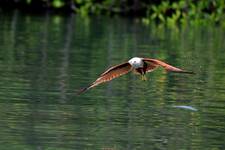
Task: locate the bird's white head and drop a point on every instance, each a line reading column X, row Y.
column 136, row 62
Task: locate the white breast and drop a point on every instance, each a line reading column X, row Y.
column 136, row 62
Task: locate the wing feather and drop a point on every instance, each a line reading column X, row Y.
column 110, row 74
column 154, row 63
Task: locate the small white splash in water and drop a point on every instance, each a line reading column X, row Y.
column 186, row 107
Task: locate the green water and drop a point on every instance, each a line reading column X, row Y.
column 45, row 60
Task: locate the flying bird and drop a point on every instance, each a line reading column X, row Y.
column 137, row 65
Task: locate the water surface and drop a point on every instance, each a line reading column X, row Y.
column 45, row 59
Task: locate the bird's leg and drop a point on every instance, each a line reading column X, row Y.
column 142, row 72
column 144, row 77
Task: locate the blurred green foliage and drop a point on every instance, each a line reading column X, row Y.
column 183, row 11
column 168, row 12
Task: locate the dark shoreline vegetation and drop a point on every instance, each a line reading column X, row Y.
column 170, row 12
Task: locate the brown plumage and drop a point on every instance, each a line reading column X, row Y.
column 154, row 63
column 136, row 64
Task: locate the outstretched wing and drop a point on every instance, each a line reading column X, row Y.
column 110, row 74
column 154, row 63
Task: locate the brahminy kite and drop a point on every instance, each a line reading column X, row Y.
column 137, row 65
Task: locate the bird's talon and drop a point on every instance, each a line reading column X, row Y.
column 145, row 78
